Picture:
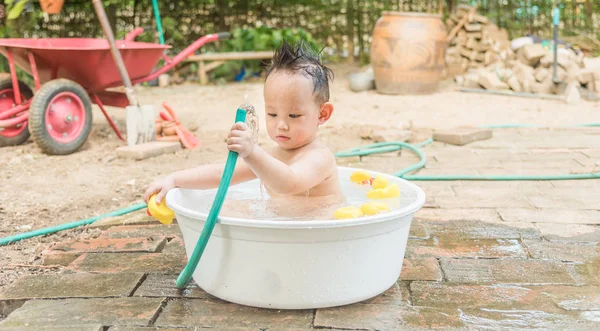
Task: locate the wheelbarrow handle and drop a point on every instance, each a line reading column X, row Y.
column 134, row 33
column 224, row 35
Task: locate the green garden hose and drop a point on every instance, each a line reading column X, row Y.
column 49, row 230
column 188, row 271
column 361, row 151
column 386, row 147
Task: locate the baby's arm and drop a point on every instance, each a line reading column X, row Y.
column 203, row 177
column 209, row 176
column 308, row 171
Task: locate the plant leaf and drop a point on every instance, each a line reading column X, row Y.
column 17, row 9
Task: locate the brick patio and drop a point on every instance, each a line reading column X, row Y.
column 481, row 255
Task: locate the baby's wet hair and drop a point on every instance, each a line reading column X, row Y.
column 301, row 58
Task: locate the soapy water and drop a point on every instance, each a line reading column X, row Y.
column 251, row 200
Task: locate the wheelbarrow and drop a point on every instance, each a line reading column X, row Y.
column 69, row 75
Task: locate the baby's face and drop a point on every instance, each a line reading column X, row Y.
column 292, row 114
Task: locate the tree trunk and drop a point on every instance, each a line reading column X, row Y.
column 450, row 6
column 589, row 23
column 350, row 29
column 359, row 30
column 221, row 10
column 111, row 13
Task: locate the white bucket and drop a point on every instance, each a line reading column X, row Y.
column 299, row 264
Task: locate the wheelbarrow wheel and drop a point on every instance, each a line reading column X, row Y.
column 20, row 133
column 60, row 117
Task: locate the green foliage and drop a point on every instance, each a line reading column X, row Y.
column 14, row 8
column 262, row 38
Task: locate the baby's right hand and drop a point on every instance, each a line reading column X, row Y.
column 162, row 186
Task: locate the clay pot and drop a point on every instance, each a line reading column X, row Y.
column 51, row 6
column 408, row 53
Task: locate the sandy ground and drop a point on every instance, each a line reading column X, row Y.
column 38, row 190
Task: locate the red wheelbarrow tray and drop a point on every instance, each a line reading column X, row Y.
column 87, row 61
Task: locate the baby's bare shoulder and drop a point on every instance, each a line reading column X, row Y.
column 321, row 153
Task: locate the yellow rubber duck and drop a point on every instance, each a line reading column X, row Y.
column 160, row 211
column 379, row 182
column 360, row 177
column 374, row 207
column 390, row 191
column 348, row 212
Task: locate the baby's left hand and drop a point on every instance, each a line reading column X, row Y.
column 240, row 140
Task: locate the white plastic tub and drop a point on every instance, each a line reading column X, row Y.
column 298, row 264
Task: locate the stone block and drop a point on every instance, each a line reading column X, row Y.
column 563, row 216
column 112, row 245
column 432, row 294
column 462, row 135
column 513, row 319
column 572, row 95
column 478, row 248
column 421, row 269
column 76, row 285
column 466, row 229
column 561, row 251
column 533, row 53
column 386, row 317
column 545, row 87
column 397, row 295
column 572, row 232
column 163, row 286
column 490, row 81
column 105, row 311
column 514, row 84
column 138, row 231
column 72, row 327
column 507, row 271
column 140, row 328
column 50, row 257
column 472, row 27
column 585, row 76
column 480, row 19
column 147, row 150
column 392, row 135
column 212, row 314
column 574, row 298
column 541, row 74
column 547, row 60
column 128, row 262
column 446, row 215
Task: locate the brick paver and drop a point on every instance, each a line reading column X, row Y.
column 485, row 255
column 513, row 271
column 562, row 251
column 421, row 268
column 210, row 314
column 563, row 216
column 122, row 311
column 442, row 295
column 478, row 248
column 161, row 286
column 128, row 262
column 571, row 233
